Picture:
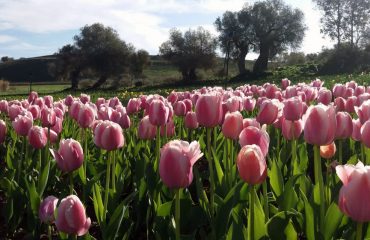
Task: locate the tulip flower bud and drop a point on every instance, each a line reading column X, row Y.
column 70, row 155
column 47, row 208
column 251, row 164
column 328, row 151
column 176, row 163
column 233, row 125
column 71, row 217
column 354, row 195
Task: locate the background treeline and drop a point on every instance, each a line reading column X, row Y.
column 270, row 29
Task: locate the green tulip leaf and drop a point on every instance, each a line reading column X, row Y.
column 333, row 218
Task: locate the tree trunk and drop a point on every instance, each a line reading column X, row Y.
column 260, row 65
column 100, row 82
column 74, row 79
column 185, row 75
column 241, row 62
column 192, row 75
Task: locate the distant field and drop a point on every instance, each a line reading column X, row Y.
column 45, row 88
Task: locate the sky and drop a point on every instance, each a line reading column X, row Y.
column 30, row 28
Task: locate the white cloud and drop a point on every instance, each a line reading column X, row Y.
column 7, row 39
column 141, row 22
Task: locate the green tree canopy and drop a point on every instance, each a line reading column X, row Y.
column 189, row 51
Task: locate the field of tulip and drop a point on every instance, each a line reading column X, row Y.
column 254, row 162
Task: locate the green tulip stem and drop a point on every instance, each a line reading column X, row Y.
column 231, row 162
column 278, row 141
column 367, row 154
column 71, row 183
column 107, row 178
column 211, row 174
column 251, row 214
column 85, row 151
column 113, row 156
column 158, row 146
column 177, row 213
column 266, row 201
column 180, row 127
column 294, row 157
column 340, row 151
column 20, row 160
column 359, row 231
column 319, row 180
column 362, row 153
column 49, row 232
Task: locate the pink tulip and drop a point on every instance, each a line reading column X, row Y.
column 209, row 110
column 14, row 111
column 2, row 131
column 233, row 104
column 249, row 103
column 359, row 90
column 328, row 151
column 71, row 217
column 172, row 97
column 124, row 121
column 68, row 100
column 363, row 112
column 146, row 130
column 339, row 90
column 285, row 82
column 268, row 112
column 290, row 92
column 168, row 129
column 47, row 208
column 49, row 101
column 320, row 125
column 188, row 104
column 84, row 98
column 251, row 122
column 291, row 129
column 37, row 137
column 191, row 120
column 4, row 106
column 344, row 125
column 351, row 84
column 179, row 108
column 75, row 109
column 293, row 109
column 108, row 135
column 100, row 101
column 350, row 104
column 22, row 124
column 356, row 131
column 340, row 104
column 365, row 133
column 233, row 125
column 252, row 135
column 86, row 116
column 317, row 83
column 251, row 164
column 40, row 102
column 176, row 163
column 32, row 96
column 35, row 111
column 114, row 102
column 52, row 135
column 48, row 117
column 133, row 105
column 354, row 195
column 70, row 155
column 158, row 113
column 324, row 96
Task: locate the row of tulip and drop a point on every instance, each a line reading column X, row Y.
column 211, row 163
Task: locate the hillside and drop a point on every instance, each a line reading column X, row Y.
column 37, row 70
